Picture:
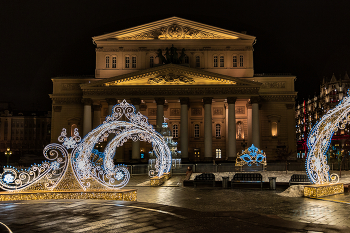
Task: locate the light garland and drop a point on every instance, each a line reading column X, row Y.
column 319, row 140
column 84, row 167
column 250, row 156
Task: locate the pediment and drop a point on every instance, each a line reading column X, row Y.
column 171, row 75
column 173, row 28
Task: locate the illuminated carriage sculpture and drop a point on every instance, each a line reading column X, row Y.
column 76, row 170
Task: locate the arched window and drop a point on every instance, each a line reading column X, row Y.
column 234, row 61
column 218, row 130
column 127, row 62
column 175, row 131
column 72, row 128
column 196, row 131
column 151, row 61
column 198, row 62
column 107, row 61
column 241, row 61
column 133, row 61
column 215, row 61
column 222, row 61
column 114, row 62
column 274, row 130
column 218, row 153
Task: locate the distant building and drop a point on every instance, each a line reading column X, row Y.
column 310, row 111
column 200, row 77
column 24, row 132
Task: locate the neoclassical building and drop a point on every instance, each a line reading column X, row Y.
column 197, row 77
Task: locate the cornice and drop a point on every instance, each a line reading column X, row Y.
column 279, row 98
column 67, row 100
column 104, row 49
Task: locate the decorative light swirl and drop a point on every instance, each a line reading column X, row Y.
column 319, row 140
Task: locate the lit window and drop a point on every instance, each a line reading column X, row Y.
column 215, row 61
column 127, row 62
column 175, row 131
column 218, row 153
column 198, row 61
column 222, row 61
column 234, row 61
column 274, row 129
column 114, row 62
column 196, row 131
column 218, row 130
column 133, row 62
column 107, row 61
column 241, row 61
column 151, row 61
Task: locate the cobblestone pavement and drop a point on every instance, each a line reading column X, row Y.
column 174, row 208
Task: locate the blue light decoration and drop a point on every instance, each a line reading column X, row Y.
column 88, row 165
column 250, row 156
column 319, row 140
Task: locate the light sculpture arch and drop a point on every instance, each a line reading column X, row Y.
column 92, row 169
column 319, row 140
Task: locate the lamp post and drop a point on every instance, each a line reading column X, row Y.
column 8, row 153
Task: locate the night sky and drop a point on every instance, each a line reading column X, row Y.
column 44, row 39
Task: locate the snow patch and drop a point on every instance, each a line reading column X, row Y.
column 293, row 191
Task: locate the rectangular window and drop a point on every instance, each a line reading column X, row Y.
column 218, row 153
column 175, row 131
column 215, row 61
column 218, row 130
column 196, row 131
column 114, row 62
column 187, row 59
column 133, row 62
column 222, row 61
column 127, row 62
column 241, row 61
column 198, row 61
column 234, row 61
column 151, row 61
column 107, row 61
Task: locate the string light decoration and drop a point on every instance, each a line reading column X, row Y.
column 250, row 156
column 319, row 140
column 76, row 165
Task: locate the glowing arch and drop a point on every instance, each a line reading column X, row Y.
column 84, row 167
column 319, row 140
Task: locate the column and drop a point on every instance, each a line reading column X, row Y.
column 250, row 131
column 111, row 102
column 207, row 128
column 255, row 122
column 136, row 145
column 97, row 115
column 87, row 116
column 184, row 127
column 231, row 127
column 160, row 112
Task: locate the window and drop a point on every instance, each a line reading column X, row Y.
column 127, row 62
column 107, row 61
column 274, row 129
column 241, row 60
column 215, row 61
column 196, row 131
column 133, row 62
column 175, row 131
column 234, row 61
column 218, row 130
column 222, row 61
column 198, row 61
column 218, row 153
column 114, row 62
column 151, row 61
column 187, row 59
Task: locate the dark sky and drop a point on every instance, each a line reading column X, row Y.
column 44, row 39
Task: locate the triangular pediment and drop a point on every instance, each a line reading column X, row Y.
column 173, row 28
column 171, row 74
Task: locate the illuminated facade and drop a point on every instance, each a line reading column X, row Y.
column 201, row 78
column 310, row 112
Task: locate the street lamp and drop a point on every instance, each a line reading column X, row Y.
column 8, row 153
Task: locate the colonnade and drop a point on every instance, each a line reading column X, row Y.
column 253, row 123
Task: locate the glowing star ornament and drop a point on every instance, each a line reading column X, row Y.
column 9, row 178
column 252, row 155
column 319, row 140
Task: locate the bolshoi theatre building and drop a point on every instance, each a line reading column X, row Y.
column 198, row 78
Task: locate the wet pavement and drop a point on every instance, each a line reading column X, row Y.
column 173, row 208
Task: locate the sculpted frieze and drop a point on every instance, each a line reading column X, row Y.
column 270, row 85
column 170, row 79
column 70, row 86
column 174, row 32
column 66, row 100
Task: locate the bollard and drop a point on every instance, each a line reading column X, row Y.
column 272, row 181
column 225, row 182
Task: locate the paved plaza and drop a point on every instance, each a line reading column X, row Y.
column 173, row 208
